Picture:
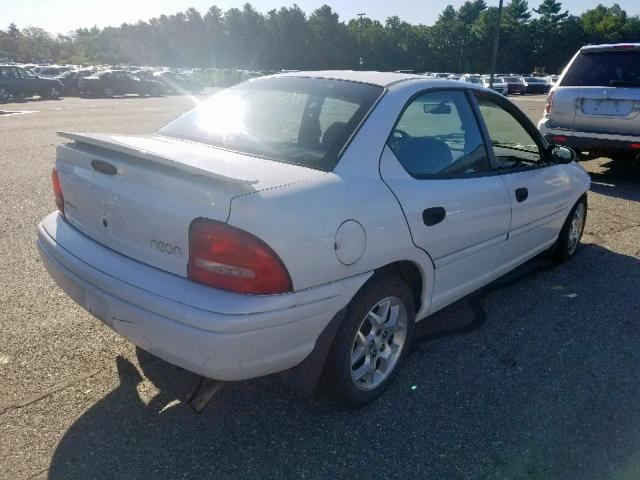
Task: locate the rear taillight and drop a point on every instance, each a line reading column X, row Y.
column 549, row 105
column 57, row 190
column 226, row 257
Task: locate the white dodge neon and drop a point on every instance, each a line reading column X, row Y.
column 307, row 215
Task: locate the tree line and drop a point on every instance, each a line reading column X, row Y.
column 459, row 41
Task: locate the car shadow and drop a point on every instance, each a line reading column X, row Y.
column 534, row 376
column 618, row 178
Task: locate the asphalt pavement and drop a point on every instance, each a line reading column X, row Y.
column 535, row 376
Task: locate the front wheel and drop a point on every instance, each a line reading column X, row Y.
column 571, row 233
column 373, row 340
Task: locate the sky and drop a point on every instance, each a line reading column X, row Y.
column 62, row 16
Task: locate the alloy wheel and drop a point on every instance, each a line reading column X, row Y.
column 378, row 343
column 575, row 229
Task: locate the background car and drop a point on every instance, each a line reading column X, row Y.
column 177, row 83
column 535, row 85
column 470, row 78
column 49, row 71
column 595, row 106
column 515, row 85
column 498, row 84
column 70, row 80
column 19, row 82
column 118, row 82
column 180, row 240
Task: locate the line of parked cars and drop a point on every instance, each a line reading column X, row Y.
column 506, row 84
column 54, row 81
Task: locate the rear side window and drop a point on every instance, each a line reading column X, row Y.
column 604, row 69
column 437, row 136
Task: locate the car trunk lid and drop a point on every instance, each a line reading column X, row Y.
column 139, row 194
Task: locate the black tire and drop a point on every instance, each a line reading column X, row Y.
column 338, row 367
column 567, row 245
column 51, row 93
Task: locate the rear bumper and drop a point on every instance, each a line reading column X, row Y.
column 588, row 141
column 216, row 334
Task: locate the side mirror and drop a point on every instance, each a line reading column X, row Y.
column 562, row 154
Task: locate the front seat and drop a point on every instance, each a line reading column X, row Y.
column 424, row 155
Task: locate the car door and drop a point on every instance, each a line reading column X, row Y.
column 456, row 205
column 14, row 80
column 539, row 189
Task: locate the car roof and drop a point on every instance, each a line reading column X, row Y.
column 603, row 47
column 383, row 79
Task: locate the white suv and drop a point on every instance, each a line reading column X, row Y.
column 595, row 105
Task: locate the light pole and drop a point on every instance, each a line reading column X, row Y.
column 361, row 62
column 496, row 43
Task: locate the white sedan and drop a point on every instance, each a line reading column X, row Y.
column 307, row 217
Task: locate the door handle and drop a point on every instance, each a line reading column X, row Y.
column 433, row 215
column 521, row 194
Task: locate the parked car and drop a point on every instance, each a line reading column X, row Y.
column 469, row 78
column 515, row 85
column 535, row 85
column 71, row 78
column 19, row 82
column 499, row 84
column 109, row 83
column 176, row 83
column 49, row 71
column 551, row 80
column 264, row 230
column 595, row 106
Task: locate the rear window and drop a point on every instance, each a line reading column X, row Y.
column 604, row 69
column 304, row 121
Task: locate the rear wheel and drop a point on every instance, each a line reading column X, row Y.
column 571, row 233
column 107, row 92
column 373, row 340
column 4, row 95
column 51, row 93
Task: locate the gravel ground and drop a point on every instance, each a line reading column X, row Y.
column 534, row 377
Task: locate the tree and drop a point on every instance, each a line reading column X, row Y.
column 550, row 11
column 516, row 12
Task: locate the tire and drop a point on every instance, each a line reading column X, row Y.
column 107, row 92
column 568, row 241
column 362, row 340
column 4, row 95
column 51, row 93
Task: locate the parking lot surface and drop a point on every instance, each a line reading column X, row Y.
column 534, row 377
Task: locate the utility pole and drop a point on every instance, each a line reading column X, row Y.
column 496, row 43
column 361, row 62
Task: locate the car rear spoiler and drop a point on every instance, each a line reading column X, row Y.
column 196, row 159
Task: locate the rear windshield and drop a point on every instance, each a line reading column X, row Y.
column 305, row 121
column 604, row 69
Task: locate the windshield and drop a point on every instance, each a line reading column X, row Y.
column 604, row 69
column 305, row 121
column 474, row 79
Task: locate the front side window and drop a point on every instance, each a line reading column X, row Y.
column 437, row 136
column 513, row 146
column 305, row 121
